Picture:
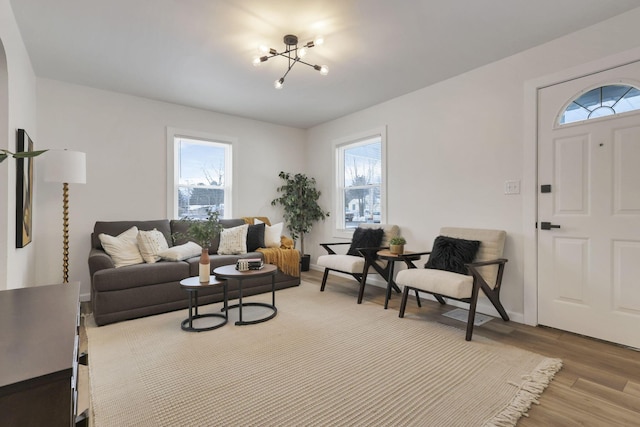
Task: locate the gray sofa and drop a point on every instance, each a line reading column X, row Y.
column 145, row 289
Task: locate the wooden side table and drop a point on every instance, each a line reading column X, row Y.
column 392, row 258
column 229, row 272
column 192, row 285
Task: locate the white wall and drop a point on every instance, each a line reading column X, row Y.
column 18, row 110
column 124, row 138
column 451, row 146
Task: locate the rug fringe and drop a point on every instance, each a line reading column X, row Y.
column 530, row 390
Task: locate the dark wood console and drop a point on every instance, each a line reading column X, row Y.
column 39, row 352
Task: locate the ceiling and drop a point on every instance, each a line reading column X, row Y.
column 198, row 53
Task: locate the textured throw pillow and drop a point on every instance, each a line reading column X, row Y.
column 123, row 248
column 150, row 243
column 452, row 254
column 255, row 237
column 181, row 252
column 272, row 235
column 233, row 241
column 365, row 238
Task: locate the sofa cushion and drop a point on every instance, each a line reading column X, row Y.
column 181, row 252
column 123, row 248
column 451, row 254
column 133, row 276
column 365, row 238
column 179, row 226
column 113, row 228
column 233, row 240
column 255, row 237
column 150, row 243
column 272, row 234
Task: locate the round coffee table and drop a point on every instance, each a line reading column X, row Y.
column 229, row 272
column 192, row 285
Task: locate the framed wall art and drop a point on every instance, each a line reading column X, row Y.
column 24, row 190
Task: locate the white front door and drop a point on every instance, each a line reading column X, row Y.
column 589, row 186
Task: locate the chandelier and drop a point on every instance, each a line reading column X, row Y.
column 293, row 53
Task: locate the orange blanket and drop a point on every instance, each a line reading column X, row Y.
column 287, row 260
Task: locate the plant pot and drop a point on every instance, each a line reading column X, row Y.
column 205, row 266
column 305, row 262
column 396, row 249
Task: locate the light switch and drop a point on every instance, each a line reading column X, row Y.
column 512, row 187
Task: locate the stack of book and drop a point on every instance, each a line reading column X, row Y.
column 255, row 263
column 249, row 264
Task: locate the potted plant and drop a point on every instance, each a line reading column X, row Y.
column 396, row 245
column 202, row 232
column 21, row 155
column 299, row 199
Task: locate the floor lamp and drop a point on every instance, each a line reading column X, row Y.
column 67, row 167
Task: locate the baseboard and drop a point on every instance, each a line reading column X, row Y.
column 484, row 306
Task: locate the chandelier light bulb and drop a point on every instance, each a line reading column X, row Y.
column 294, row 52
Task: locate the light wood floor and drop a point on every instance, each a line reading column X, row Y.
column 598, row 385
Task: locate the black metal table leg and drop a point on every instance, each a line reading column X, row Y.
column 389, row 285
column 191, row 285
column 230, row 273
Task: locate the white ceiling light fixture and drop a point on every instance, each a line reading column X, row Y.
column 293, row 53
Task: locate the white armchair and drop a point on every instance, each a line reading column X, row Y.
column 460, row 279
column 361, row 259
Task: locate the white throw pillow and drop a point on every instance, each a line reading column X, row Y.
column 233, row 241
column 272, row 235
column 181, row 252
column 123, row 249
column 150, row 243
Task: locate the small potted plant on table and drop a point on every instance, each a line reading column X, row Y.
column 396, row 245
column 203, row 232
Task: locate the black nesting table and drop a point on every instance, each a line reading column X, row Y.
column 192, row 285
column 229, row 272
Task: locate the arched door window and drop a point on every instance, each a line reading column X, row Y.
column 600, row 102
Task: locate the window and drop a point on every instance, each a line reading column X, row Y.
column 360, row 180
column 600, row 102
column 200, row 175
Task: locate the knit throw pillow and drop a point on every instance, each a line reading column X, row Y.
column 233, row 241
column 150, row 244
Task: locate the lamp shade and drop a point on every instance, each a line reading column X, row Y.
column 65, row 166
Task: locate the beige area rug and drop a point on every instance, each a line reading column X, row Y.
column 322, row 361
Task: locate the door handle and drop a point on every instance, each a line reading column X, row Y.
column 548, row 226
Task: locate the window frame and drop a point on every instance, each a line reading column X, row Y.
column 623, row 82
column 338, row 147
column 173, row 156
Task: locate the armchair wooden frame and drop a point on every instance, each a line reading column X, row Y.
column 370, row 257
column 479, row 283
